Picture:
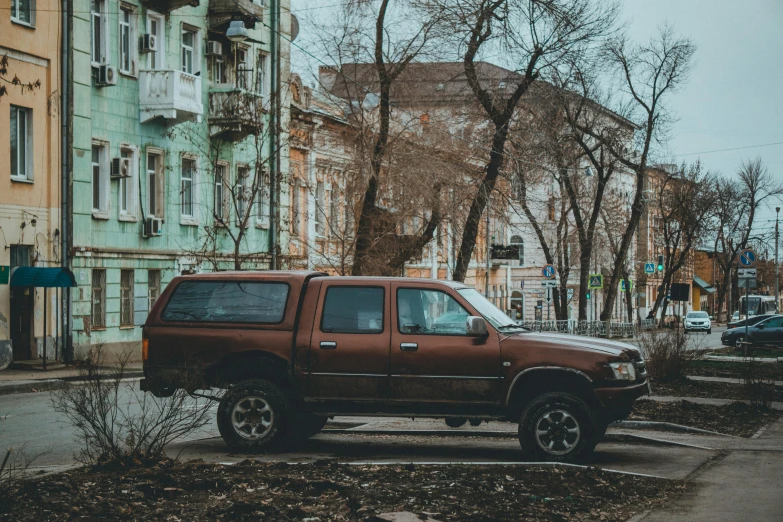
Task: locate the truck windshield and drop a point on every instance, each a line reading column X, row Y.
column 488, row 311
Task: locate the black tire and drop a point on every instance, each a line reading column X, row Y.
column 266, row 402
column 709, row 331
column 455, row 422
column 559, row 414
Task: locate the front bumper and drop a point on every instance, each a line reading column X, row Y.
column 622, row 397
column 704, row 327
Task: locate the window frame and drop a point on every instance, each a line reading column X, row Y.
column 160, row 37
column 27, row 141
column 263, row 199
column 224, row 218
column 340, row 286
column 15, row 13
column 102, row 291
column 128, row 188
column 189, row 219
column 101, row 17
column 421, row 289
column 150, row 299
column 104, row 187
column 129, row 301
column 155, row 207
column 130, row 27
column 319, row 218
column 261, row 76
column 194, row 49
column 240, row 192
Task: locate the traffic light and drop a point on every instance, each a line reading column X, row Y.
column 660, row 263
column 588, row 294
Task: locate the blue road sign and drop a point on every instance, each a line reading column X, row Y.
column 747, row 258
column 649, row 268
column 548, row 271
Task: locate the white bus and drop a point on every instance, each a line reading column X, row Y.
column 757, row 305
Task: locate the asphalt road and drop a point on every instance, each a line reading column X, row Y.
column 699, row 340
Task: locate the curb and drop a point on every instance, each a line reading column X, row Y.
column 667, row 426
column 41, row 385
column 730, row 358
column 640, row 439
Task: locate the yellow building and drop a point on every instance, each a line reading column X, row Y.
column 30, row 33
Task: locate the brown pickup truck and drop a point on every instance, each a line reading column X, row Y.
column 294, row 348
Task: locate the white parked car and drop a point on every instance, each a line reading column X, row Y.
column 698, row 322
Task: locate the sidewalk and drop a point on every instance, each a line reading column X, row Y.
column 742, row 485
column 26, row 381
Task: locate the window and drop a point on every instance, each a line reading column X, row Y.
column 128, row 185
column 262, row 200
column 349, row 218
column 23, row 11
column 126, row 297
column 127, row 41
column 353, row 310
column 244, row 73
column 242, row 194
column 295, row 217
column 98, row 298
column 188, row 50
column 100, row 51
column 155, row 27
column 429, row 312
column 21, row 255
column 227, row 302
column 261, row 74
column 320, row 206
column 334, row 208
column 220, row 208
column 155, row 183
column 218, row 70
column 186, row 187
column 21, row 143
column 153, row 287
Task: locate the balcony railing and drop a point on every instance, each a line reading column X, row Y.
column 166, row 6
column 235, row 113
column 169, row 94
column 505, row 254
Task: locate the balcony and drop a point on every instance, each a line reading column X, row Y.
column 170, row 94
column 505, row 255
column 166, row 6
column 235, row 113
column 221, row 12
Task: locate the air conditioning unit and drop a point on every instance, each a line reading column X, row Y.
column 148, row 43
column 107, row 75
column 214, row 48
column 120, row 168
column 153, row 226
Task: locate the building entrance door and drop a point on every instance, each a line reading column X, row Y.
column 22, row 304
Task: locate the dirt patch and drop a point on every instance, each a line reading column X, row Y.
column 715, row 390
column 259, row 491
column 733, row 369
column 736, row 418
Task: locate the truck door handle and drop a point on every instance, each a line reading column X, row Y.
column 328, row 345
column 409, row 347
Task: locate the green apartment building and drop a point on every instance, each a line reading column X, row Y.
column 174, row 160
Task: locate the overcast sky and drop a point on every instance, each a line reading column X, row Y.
column 733, row 98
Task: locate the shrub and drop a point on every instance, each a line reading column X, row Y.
column 667, row 354
column 758, row 387
column 119, row 424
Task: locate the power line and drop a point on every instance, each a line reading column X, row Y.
column 733, row 148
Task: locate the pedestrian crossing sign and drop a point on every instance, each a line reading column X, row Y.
column 623, row 288
column 596, row 281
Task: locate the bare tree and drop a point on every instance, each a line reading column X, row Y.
column 537, row 36
column 736, row 204
column 647, row 74
column 684, row 202
column 6, row 79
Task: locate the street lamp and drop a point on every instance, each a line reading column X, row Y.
column 237, row 33
column 777, row 261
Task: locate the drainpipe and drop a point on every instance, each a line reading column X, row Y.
column 65, row 161
column 274, row 139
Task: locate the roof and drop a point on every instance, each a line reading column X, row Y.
column 42, row 277
column 704, row 285
column 301, row 274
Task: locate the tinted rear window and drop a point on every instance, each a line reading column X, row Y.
column 227, row 302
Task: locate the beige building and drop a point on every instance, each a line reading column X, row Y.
column 30, row 35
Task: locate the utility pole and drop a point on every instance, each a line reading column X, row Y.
column 777, row 261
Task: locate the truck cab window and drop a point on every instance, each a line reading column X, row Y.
column 353, row 309
column 429, row 312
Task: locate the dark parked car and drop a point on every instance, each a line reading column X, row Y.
column 751, row 321
column 766, row 329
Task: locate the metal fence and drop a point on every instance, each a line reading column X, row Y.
column 587, row 328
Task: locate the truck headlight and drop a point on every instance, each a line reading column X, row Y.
column 623, row 371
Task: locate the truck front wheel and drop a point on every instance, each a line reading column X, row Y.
column 252, row 415
column 557, row 427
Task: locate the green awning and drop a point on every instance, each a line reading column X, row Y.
column 704, row 285
column 42, row 277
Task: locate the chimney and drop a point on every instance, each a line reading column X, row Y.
column 327, row 76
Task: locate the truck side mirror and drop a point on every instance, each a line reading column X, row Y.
column 476, row 327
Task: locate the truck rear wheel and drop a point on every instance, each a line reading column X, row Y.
column 252, row 415
column 557, row 427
